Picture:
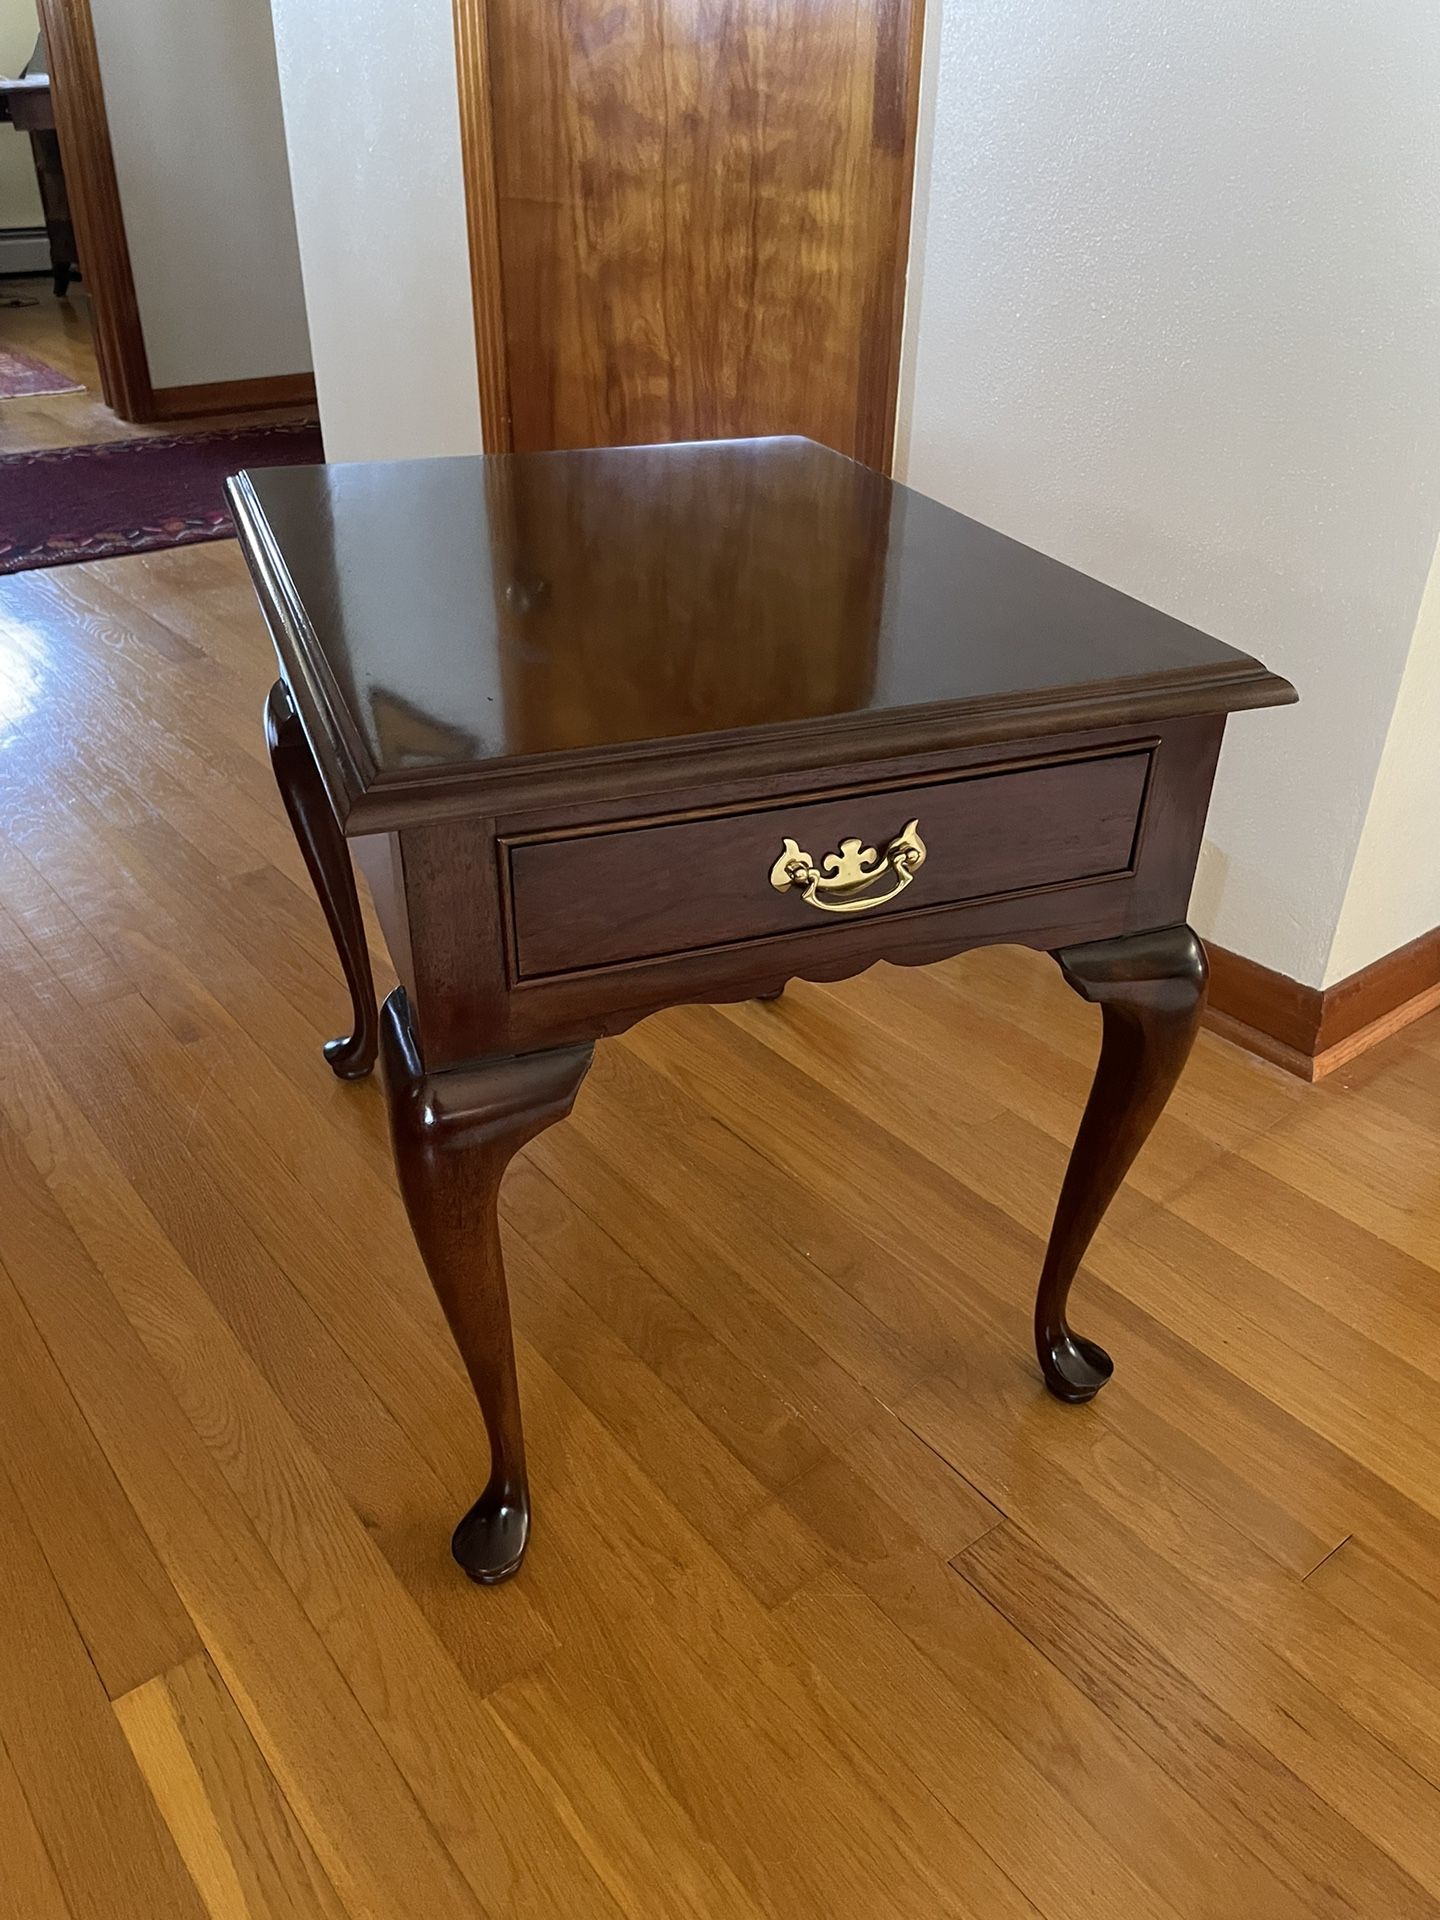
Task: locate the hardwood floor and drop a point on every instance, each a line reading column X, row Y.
column 830, row 1611
column 58, row 332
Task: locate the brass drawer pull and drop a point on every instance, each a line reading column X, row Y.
column 840, row 888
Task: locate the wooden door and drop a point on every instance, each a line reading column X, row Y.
column 689, row 218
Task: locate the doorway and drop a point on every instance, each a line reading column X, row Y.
column 208, row 89
column 85, row 325
column 115, row 439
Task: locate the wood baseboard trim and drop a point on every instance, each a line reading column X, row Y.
column 1310, row 1031
column 235, row 396
column 1255, row 1040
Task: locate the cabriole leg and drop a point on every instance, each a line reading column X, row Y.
column 1150, row 988
column 328, row 859
column 454, row 1134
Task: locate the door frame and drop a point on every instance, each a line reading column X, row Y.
column 482, row 220
column 83, row 128
column 94, row 195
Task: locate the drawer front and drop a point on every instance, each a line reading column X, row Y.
column 644, row 889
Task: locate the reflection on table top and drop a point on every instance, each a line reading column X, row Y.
column 470, row 610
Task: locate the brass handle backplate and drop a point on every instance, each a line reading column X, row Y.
column 838, row 884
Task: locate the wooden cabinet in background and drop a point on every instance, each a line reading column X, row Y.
column 689, row 218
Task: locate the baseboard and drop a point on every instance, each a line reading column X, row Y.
column 24, row 250
column 235, row 396
column 1310, row 1031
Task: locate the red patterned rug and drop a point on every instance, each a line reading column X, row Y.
column 22, row 374
column 132, row 496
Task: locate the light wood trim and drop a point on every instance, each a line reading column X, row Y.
column 1375, row 992
column 1265, row 1046
column 482, row 218
column 887, row 374
column 278, row 390
column 1370, row 1035
column 94, row 193
column 1310, row 1031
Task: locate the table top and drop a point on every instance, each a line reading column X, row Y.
column 451, row 625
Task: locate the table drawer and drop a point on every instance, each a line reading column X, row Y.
column 642, row 889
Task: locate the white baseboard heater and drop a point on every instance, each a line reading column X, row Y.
column 23, row 250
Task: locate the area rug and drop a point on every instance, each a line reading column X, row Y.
column 132, row 496
column 22, row 374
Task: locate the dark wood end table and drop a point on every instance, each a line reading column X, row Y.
column 29, row 106
column 617, row 729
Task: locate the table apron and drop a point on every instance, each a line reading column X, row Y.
column 1089, row 839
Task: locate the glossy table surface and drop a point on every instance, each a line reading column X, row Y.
column 470, row 612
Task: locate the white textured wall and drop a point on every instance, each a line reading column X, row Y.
column 1175, row 318
column 194, row 111
column 1394, row 891
column 373, row 125
column 19, row 195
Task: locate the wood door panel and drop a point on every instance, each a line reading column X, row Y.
column 703, row 211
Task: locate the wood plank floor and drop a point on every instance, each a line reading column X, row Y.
column 830, row 1611
column 59, row 333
